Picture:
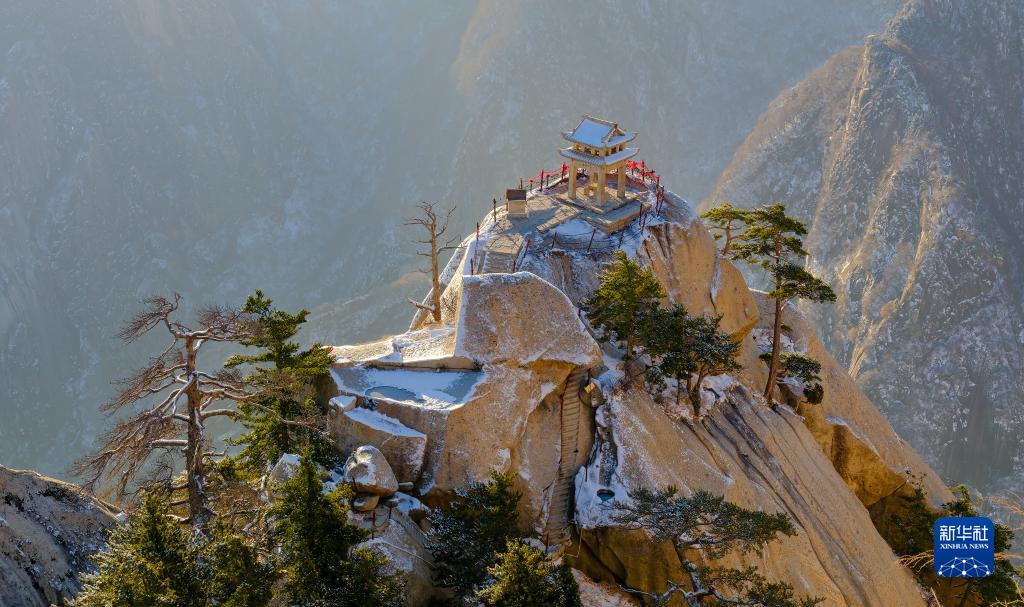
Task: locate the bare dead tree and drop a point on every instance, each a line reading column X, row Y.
column 177, row 399
column 434, row 224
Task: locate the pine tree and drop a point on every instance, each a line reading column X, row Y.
column 148, row 562
column 153, row 561
column 771, row 239
column 523, row 577
column 683, row 346
column 236, row 577
column 802, row 368
column 627, row 292
column 288, row 419
column 316, row 540
column 468, row 532
column 724, row 219
column 370, row 582
column 713, row 527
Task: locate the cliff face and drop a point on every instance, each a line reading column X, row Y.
column 905, row 156
column 48, row 530
column 497, row 385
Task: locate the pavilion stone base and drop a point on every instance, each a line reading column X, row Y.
column 616, row 219
column 594, row 205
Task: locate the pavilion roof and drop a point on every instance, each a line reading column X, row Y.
column 599, row 160
column 598, row 133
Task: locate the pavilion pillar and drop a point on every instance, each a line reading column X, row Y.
column 620, row 174
column 602, row 179
column 572, row 179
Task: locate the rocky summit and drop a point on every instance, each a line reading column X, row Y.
column 905, row 156
column 513, row 379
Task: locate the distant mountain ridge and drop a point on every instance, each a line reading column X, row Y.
column 906, row 156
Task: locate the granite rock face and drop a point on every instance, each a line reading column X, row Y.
column 760, row 460
column 904, row 155
column 48, row 530
column 824, row 465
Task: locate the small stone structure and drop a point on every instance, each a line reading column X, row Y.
column 600, row 146
column 516, row 203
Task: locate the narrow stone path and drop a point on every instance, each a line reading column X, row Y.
column 557, row 529
column 498, row 261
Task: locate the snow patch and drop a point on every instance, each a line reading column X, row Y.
column 382, row 422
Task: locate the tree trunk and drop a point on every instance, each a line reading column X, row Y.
column 773, row 365
column 199, row 511
column 435, row 277
column 694, row 397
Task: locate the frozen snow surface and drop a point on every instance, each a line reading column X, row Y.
column 439, row 389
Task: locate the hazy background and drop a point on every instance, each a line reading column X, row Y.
column 212, row 148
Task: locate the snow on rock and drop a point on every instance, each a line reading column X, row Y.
column 758, row 459
column 428, row 348
column 865, row 449
column 369, row 472
column 48, row 532
column 685, row 259
column 406, row 548
column 433, row 389
column 521, row 319
column 343, row 402
column 402, row 446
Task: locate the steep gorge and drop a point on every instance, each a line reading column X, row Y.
column 906, row 157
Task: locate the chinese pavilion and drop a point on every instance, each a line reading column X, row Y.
column 600, row 147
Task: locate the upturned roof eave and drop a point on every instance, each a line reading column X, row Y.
column 617, row 157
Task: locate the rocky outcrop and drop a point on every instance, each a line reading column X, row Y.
column 758, row 459
column 602, row 594
column 48, row 531
column 684, row 257
column 397, row 536
column 904, row 156
column 524, row 337
column 824, row 465
column 863, row 448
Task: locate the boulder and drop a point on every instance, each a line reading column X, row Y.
column 519, row 319
column 48, row 533
column 365, row 502
column 403, row 447
column 405, row 546
column 369, row 472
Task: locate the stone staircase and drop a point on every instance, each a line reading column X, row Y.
column 497, row 261
column 557, row 529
